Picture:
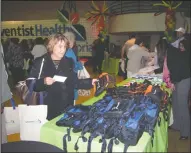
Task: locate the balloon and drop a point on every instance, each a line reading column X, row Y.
column 168, row 17
column 101, row 24
column 170, row 26
column 166, row 33
column 74, row 18
column 170, row 12
column 169, row 38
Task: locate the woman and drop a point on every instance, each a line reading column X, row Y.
column 72, row 53
column 161, row 60
column 28, row 57
column 72, row 50
column 59, row 95
column 160, row 50
column 178, row 61
column 72, row 42
column 16, row 60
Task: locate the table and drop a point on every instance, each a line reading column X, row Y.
column 111, row 65
column 52, row 134
column 28, row 146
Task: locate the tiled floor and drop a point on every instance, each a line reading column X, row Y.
column 175, row 145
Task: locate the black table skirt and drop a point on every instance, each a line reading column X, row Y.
column 28, row 146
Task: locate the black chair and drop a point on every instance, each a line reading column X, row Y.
column 28, row 146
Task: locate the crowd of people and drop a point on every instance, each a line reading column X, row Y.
column 173, row 62
column 58, row 53
column 19, row 56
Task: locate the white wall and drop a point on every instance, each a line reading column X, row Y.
column 139, row 22
column 118, row 39
column 180, row 21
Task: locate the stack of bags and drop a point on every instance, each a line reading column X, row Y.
column 122, row 115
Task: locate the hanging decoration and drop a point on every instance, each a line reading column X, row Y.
column 170, row 19
column 98, row 15
column 73, row 16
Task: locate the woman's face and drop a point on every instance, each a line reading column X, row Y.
column 59, row 50
column 71, row 44
column 181, row 46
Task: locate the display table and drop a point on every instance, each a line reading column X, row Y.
column 111, row 65
column 52, row 134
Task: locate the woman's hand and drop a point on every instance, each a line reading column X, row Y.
column 48, row 81
column 94, row 81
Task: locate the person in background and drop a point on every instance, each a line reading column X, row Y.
column 28, row 57
column 146, row 61
column 72, row 53
column 45, row 41
column 72, row 50
column 180, row 32
column 16, row 60
column 39, row 49
column 178, row 61
column 72, row 42
column 30, row 43
column 135, row 54
column 6, row 95
column 161, row 60
column 160, row 50
column 59, row 94
column 129, row 43
column 99, row 48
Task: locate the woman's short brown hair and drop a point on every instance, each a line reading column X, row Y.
column 54, row 39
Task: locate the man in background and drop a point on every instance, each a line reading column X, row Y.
column 180, row 32
column 135, row 55
column 98, row 49
column 129, row 43
column 6, row 95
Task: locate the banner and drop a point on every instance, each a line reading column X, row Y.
column 44, row 28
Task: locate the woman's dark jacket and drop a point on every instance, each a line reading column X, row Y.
column 178, row 63
column 59, row 95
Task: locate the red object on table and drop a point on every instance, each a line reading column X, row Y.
column 83, row 60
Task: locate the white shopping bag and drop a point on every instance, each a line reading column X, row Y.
column 122, row 66
column 83, row 74
column 31, row 120
column 12, row 122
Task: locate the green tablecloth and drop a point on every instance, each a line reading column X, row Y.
column 52, row 134
column 111, row 65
